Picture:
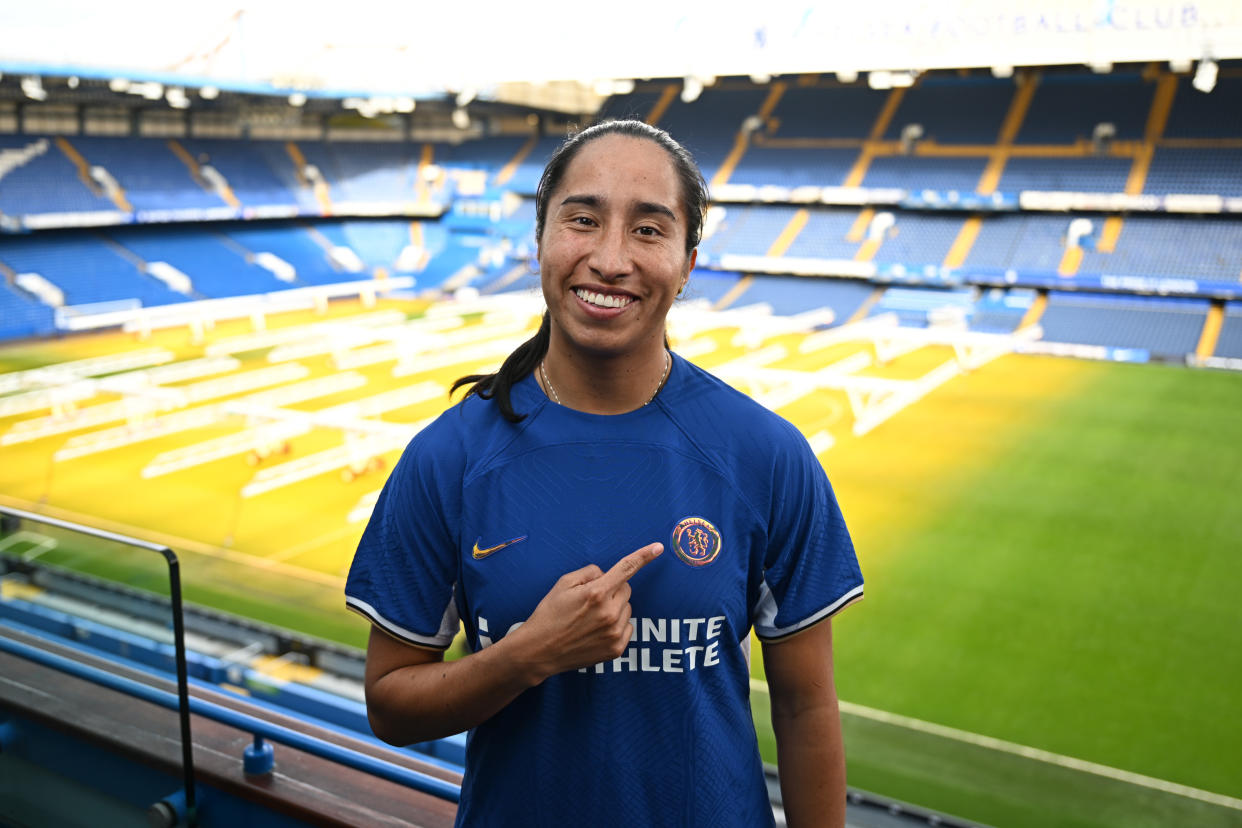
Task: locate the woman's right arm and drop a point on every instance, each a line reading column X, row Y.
column 413, row 695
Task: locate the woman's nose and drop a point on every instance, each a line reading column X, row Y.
column 610, row 256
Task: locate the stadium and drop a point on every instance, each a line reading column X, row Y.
column 989, row 264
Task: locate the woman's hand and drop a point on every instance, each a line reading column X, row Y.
column 413, row 695
column 584, row 619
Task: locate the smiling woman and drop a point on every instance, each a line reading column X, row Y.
column 607, row 686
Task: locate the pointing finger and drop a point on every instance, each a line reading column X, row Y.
column 628, row 566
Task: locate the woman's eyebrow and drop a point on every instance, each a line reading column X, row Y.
column 641, row 207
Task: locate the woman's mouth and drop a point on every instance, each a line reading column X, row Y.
column 603, row 300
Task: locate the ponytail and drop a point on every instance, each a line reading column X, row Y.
column 517, row 365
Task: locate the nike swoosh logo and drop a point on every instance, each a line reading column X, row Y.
column 479, row 554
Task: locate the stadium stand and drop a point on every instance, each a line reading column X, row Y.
column 818, row 133
column 88, row 267
column 37, row 177
column 1001, row 311
column 1196, row 248
column 260, row 173
column 21, row 316
column 925, row 173
column 1067, row 107
column 149, row 173
column 1162, row 327
column 1229, row 345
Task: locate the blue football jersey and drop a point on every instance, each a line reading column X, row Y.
column 481, row 517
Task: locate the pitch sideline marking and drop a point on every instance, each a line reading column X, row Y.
column 1027, row 752
column 40, row 543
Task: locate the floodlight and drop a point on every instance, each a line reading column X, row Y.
column 32, row 87
column 1205, row 76
column 880, row 79
column 209, row 93
column 461, row 118
column 297, row 99
column 691, row 88
column 465, row 96
column 847, row 75
column 761, row 78
column 119, row 85
column 622, row 87
column 903, row 79
column 72, row 81
column 1101, row 67
column 177, row 98
column 404, row 105
column 1180, row 66
column 1002, row 71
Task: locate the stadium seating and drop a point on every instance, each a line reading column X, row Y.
column 1001, row 311
column 1195, row 248
column 789, row 295
column 919, row 239
column 260, row 173
column 37, row 177
column 21, row 316
column 1204, row 171
column 1229, row 344
column 1021, row 241
column 1163, row 327
column 150, row 174
column 87, row 267
column 954, row 110
column 1067, row 106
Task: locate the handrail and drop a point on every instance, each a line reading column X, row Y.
column 174, row 595
column 416, row 780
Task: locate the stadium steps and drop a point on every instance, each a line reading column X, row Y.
column 661, row 106
column 1014, row 118
column 965, row 240
column 871, row 146
column 742, row 140
column 507, row 171
column 1033, row 314
column 734, row 293
column 196, row 172
column 1071, row 260
column 84, row 173
column 1157, row 121
column 1211, row 330
column 323, row 193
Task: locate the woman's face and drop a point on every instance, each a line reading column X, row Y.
column 613, row 250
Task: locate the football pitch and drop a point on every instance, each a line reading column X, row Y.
column 1051, row 634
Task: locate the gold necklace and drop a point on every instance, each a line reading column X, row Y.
column 668, row 364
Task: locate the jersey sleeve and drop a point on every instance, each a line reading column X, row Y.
column 810, row 569
column 405, row 571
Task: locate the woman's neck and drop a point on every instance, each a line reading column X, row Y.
column 603, row 384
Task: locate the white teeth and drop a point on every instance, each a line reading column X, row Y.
column 602, row 300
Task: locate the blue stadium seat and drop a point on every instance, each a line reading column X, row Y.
column 1163, row 327
column 1067, row 106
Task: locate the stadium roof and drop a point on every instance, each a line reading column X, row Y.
column 419, row 50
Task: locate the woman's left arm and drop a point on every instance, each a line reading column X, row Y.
column 807, row 723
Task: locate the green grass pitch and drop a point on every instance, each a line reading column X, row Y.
column 1051, row 550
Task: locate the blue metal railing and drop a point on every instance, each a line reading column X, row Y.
column 174, row 595
column 242, row 721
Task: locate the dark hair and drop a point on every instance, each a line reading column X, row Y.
column 526, row 357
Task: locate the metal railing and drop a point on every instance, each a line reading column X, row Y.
column 184, row 704
column 174, row 595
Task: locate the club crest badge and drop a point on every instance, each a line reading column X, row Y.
column 696, row 541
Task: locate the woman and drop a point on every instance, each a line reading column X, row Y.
column 609, row 521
